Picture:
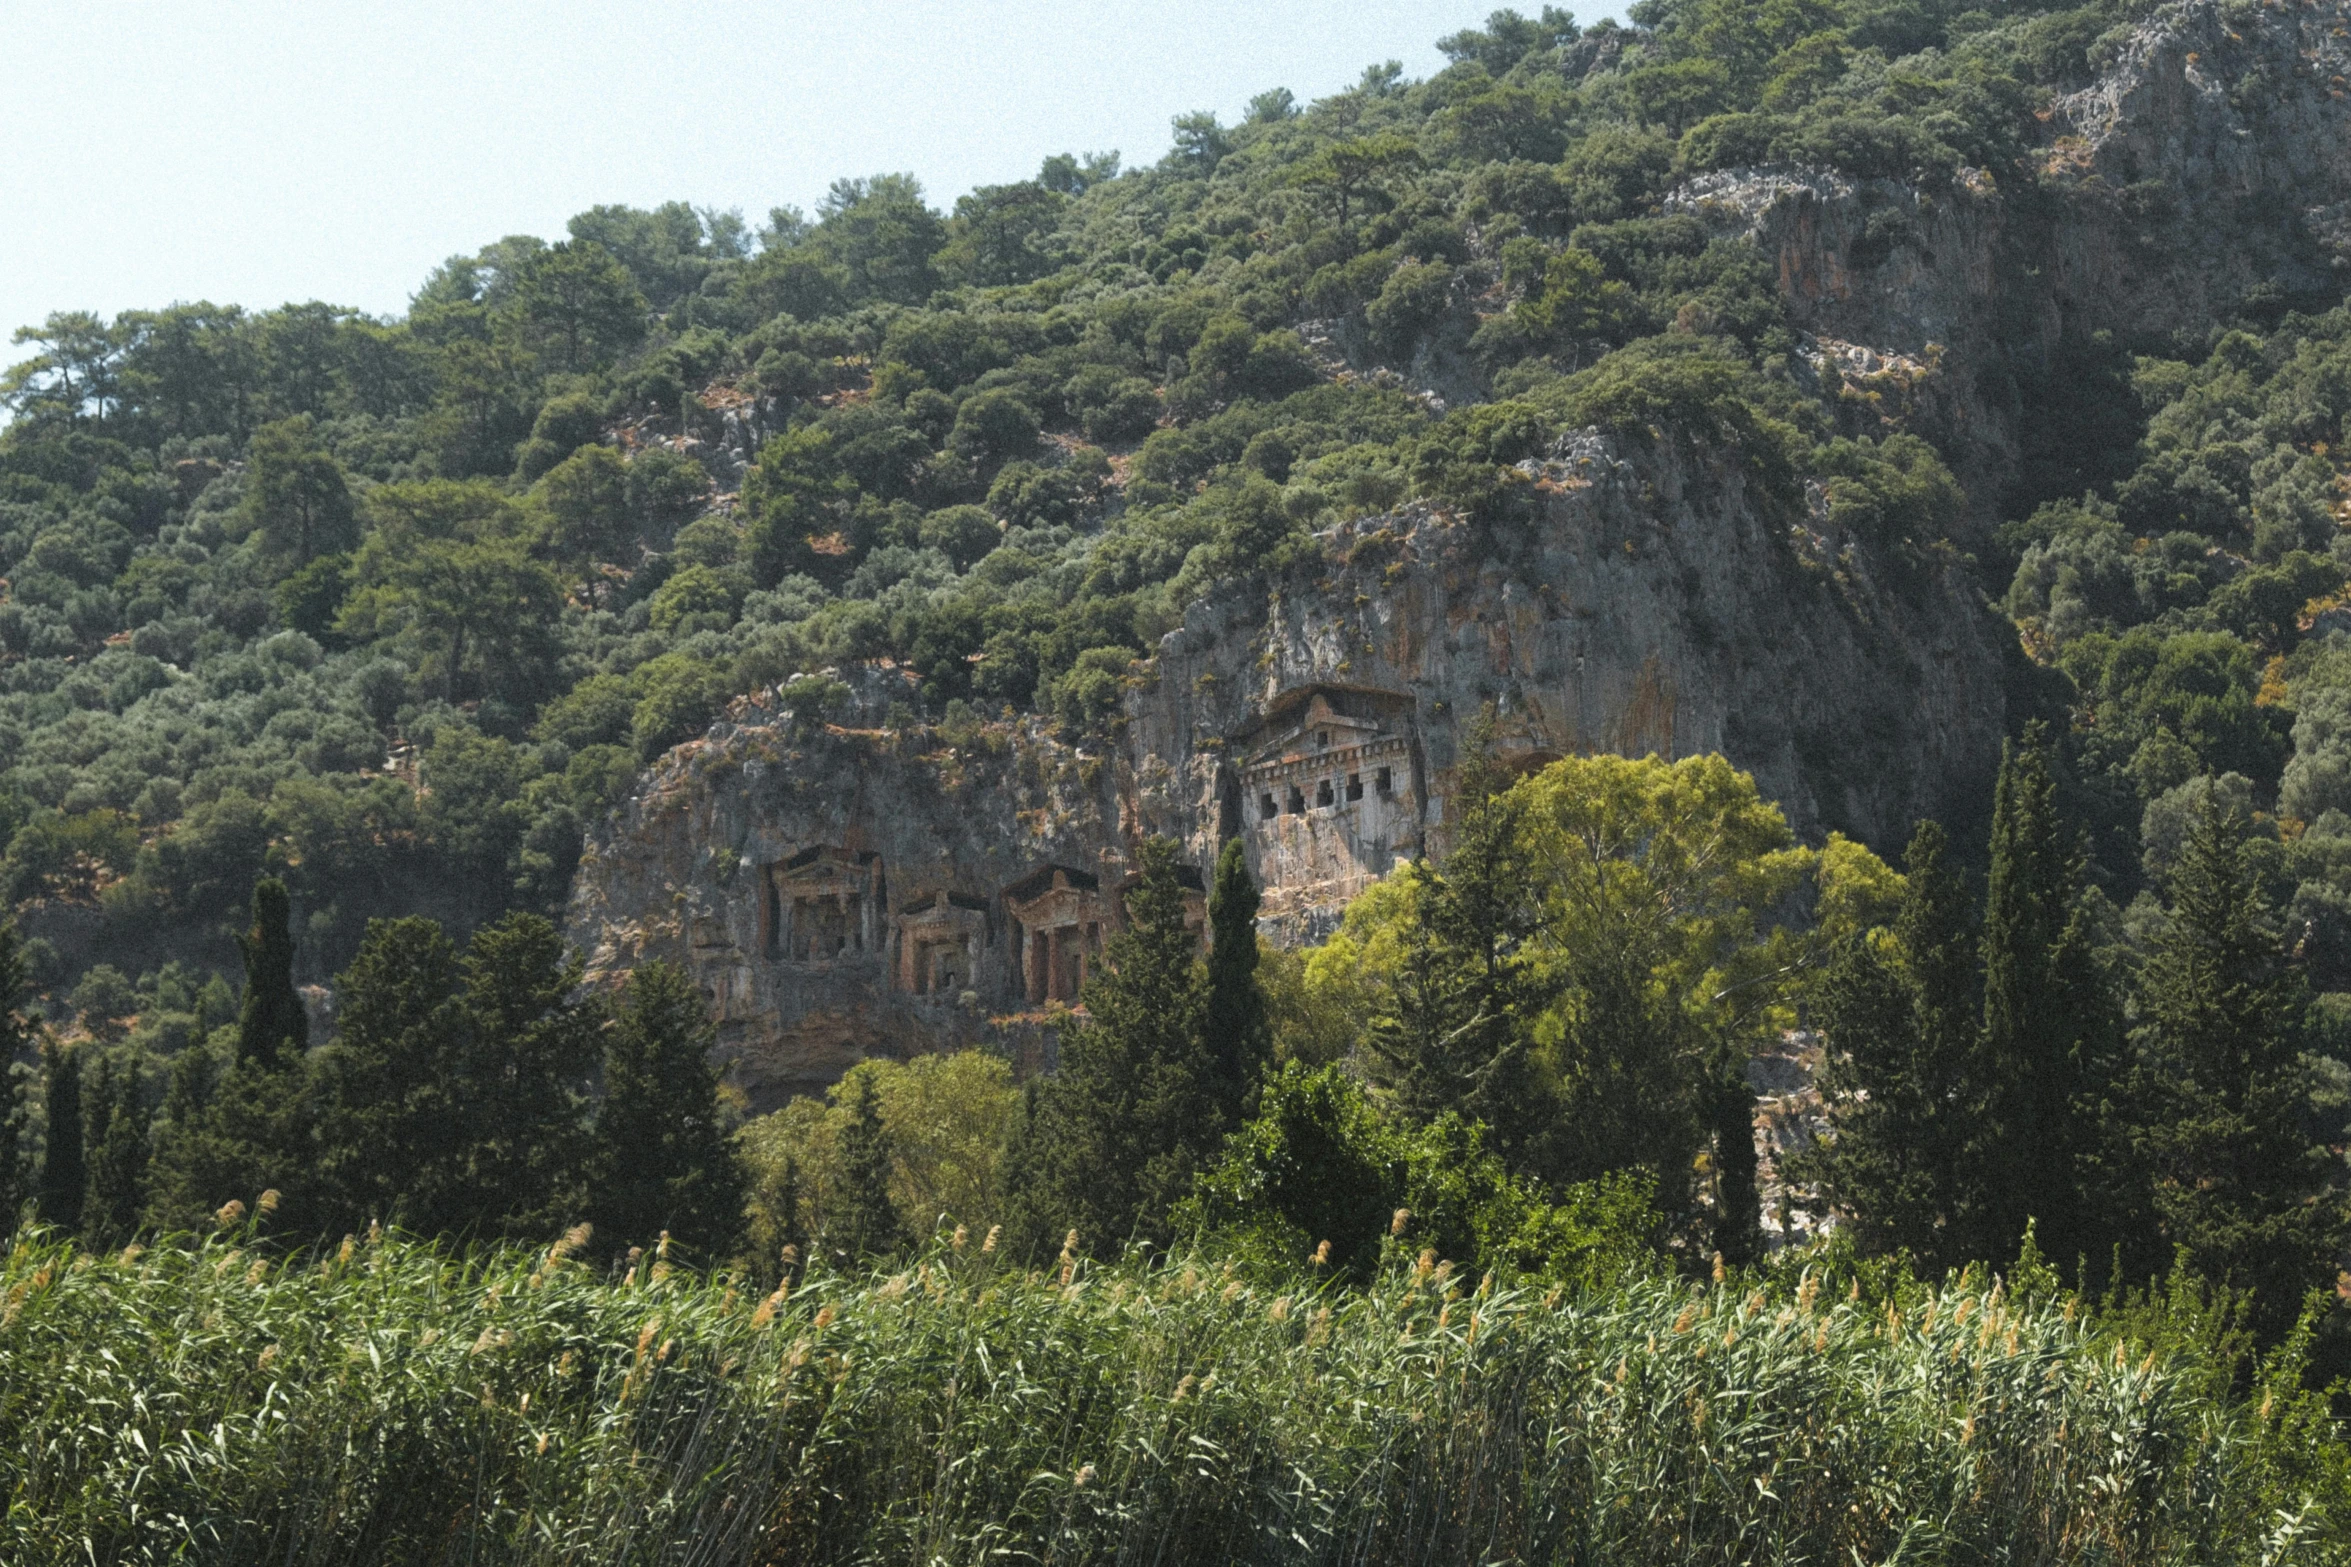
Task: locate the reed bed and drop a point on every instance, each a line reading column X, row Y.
column 212, row 1401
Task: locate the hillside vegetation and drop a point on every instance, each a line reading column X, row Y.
column 511, row 545
column 325, row 640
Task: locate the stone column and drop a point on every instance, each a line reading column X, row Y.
column 1053, row 965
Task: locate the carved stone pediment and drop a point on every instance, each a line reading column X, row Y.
column 821, row 905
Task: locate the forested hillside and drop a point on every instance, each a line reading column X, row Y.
column 395, row 607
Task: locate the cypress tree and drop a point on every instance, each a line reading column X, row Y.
column 13, row 1193
column 864, row 1222
column 272, row 1028
column 2049, row 1028
column 1116, row 1135
column 1738, row 1197
column 65, row 1172
column 662, row 1158
column 791, row 1230
column 390, row 1128
column 1899, row 1038
column 174, row 1195
column 2236, row 1181
column 116, row 1146
column 18, row 1043
column 1239, row 1037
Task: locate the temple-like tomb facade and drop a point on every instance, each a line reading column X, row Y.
column 822, row 905
column 1061, row 914
column 1330, row 796
column 939, row 945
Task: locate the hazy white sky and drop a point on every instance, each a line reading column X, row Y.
column 263, row 151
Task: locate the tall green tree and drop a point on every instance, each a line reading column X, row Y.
column 2238, row 1184
column 586, row 500
column 14, row 1191
column 662, row 1157
column 1898, row 1022
column 527, row 1054
column 273, row 1029
column 115, row 1152
column 864, row 1221
column 578, row 306
column 19, row 1044
column 1113, row 1139
column 390, row 1128
column 65, row 1171
column 1240, row 1039
column 296, row 494
column 2050, row 1029
column 234, row 1133
column 1460, row 1033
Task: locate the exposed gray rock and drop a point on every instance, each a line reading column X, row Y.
column 842, row 891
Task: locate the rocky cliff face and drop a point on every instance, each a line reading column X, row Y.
column 841, row 891
column 2207, row 171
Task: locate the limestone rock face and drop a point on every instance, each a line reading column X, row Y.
column 2208, row 168
column 841, row 891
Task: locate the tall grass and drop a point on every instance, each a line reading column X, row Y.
column 211, row 1402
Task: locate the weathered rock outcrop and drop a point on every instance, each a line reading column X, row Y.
column 841, row 891
column 2207, row 170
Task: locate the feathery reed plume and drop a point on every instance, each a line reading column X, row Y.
column 988, row 1246
column 1322, row 1255
column 956, row 1242
column 572, row 1240
column 231, row 1214
column 1402, row 1217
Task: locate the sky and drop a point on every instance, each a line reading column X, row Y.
column 261, row 153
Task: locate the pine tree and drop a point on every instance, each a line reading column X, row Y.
column 65, row 1172
column 1239, row 1037
column 662, row 1158
column 864, row 1221
column 1114, row 1137
column 272, row 1028
column 116, row 1147
column 2236, row 1181
column 2049, row 1031
column 1899, row 1041
column 1458, row 1035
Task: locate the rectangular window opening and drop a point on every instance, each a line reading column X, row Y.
column 1355, row 786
